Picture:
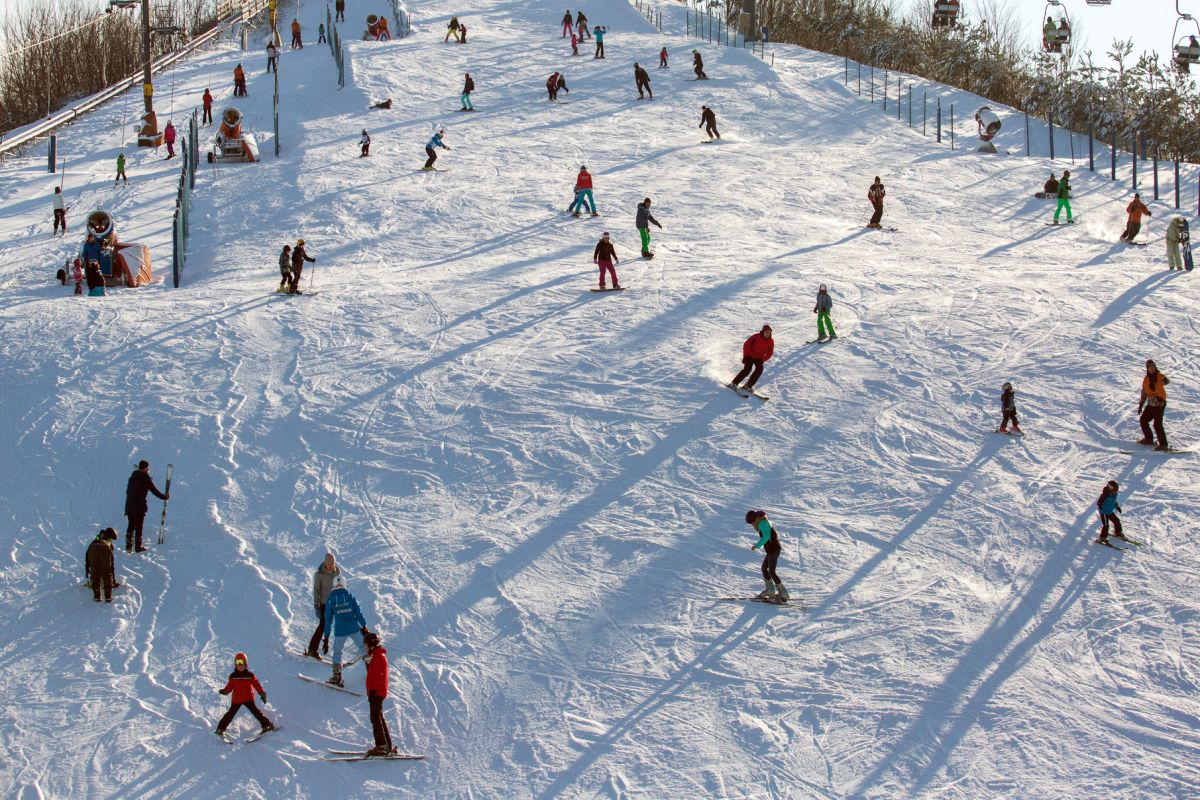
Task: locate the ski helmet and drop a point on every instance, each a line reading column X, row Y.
column 1007, row 386
column 299, row 242
column 823, row 288
column 364, row 131
column 753, row 515
column 339, row 582
column 240, row 658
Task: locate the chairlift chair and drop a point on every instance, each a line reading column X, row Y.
column 1056, row 31
column 945, row 13
column 1186, row 42
column 1099, row 2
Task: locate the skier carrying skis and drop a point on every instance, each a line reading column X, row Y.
column 583, row 193
column 1109, row 507
column 299, row 256
column 708, row 121
column 768, row 540
column 1133, row 226
column 876, row 194
column 435, row 141
column 1176, row 235
column 1154, row 401
column 364, row 143
column 567, row 22
column 605, row 257
column 465, row 97
column 242, row 685
column 206, row 100
column 99, row 565
column 641, row 79
column 120, row 170
column 821, row 309
column 60, row 211
column 140, row 484
column 285, row 267
column 343, row 619
column 1008, row 410
column 756, row 351
column 662, row 58
column 1064, row 197
column 556, row 82
column 644, row 218
column 169, row 139
column 323, row 579
column 698, row 66
column 377, row 690
column 582, row 26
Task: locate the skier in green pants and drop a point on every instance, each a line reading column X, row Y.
column 821, row 309
column 644, row 220
column 1064, row 197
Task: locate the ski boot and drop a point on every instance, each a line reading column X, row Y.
column 378, row 750
column 1162, row 448
column 783, row 593
column 1145, row 441
column 270, row 726
column 769, row 592
column 832, row 336
column 336, row 680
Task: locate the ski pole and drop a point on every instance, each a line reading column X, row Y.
column 312, row 278
column 162, row 523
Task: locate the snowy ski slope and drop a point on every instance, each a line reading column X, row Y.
column 537, row 492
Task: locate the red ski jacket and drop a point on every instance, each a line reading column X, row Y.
column 242, row 686
column 377, row 673
column 584, row 181
column 758, row 346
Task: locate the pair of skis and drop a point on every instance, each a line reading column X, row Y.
column 366, row 755
column 742, row 392
column 162, row 523
column 1108, row 543
column 225, row 737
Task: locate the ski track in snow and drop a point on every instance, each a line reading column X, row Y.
column 536, row 492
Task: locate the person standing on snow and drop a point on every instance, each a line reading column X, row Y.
column 1133, row 226
column 60, row 211
column 272, row 57
column 599, row 30
column 239, row 81
column 698, row 66
column 662, row 58
column 339, row 8
column 242, row 685
column 434, row 142
column 583, row 193
column 321, row 32
column 462, row 33
column 876, row 194
column 1064, row 197
column 1154, row 401
column 299, row 256
column 451, row 30
column 756, row 351
column 708, row 121
column 77, row 275
column 1176, row 235
column 120, row 171
column 605, row 257
column 1109, row 507
column 364, row 143
column 574, row 44
column 343, row 619
column 285, row 267
column 1008, row 410
column 644, row 218
column 297, row 42
column 327, row 572
column 582, row 26
column 140, row 484
column 169, row 139
column 821, row 309
column 468, row 87
column 556, row 82
column 768, row 540
column 641, row 79
column 207, row 102
column 377, row 691
column 99, row 565
column 566, row 23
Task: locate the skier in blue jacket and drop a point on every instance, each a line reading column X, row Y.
column 343, row 619
column 1109, row 506
column 430, row 150
column 768, row 540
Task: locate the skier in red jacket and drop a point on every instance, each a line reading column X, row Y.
column 242, row 685
column 377, row 689
column 756, row 351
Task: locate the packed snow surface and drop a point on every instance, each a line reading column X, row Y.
column 537, row 492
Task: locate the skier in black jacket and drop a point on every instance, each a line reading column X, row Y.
column 698, row 66
column 140, row 484
column 708, row 121
column 642, row 79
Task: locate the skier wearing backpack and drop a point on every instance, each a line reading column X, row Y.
column 583, row 193
column 465, row 97
column 644, row 218
column 377, row 691
column 1008, row 410
column 768, row 540
column 1109, row 507
column 1154, row 401
column 876, row 194
column 140, row 484
column 99, row 565
column 343, row 619
column 1133, row 225
column 1177, row 234
column 821, row 309
column 756, row 351
column 1064, row 198
column 242, row 685
column 641, row 80
column 434, row 142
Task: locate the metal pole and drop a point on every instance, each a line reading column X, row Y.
column 952, row 126
column 872, row 83
column 52, row 153
column 1154, row 161
column 1091, row 150
column 885, row 85
column 1050, row 127
column 859, row 78
column 924, row 109
column 1112, row 149
column 1134, row 148
column 899, row 90
column 910, row 105
column 939, row 119
column 1026, row 133
column 846, row 70
column 1177, row 183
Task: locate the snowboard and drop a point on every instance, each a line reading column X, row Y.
column 328, row 685
column 613, row 289
column 1187, row 256
column 364, row 755
column 1056, row 224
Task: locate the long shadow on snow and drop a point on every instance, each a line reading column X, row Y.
column 950, row 711
column 1015, row 242
column 1131, row 297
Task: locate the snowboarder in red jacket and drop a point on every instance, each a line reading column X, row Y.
column 756, row 351
column 377, row 689
column 242, row 685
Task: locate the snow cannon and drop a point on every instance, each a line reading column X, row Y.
column 989, row 126
column 232, row 143
column 121, row 263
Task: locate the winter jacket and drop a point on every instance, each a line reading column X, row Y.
column 342, row 615
column 285, row 263
column 377, row 673
column 605, row 252
column 295, row 28
column 242, row 685
column 468, row 85
column 1108, row 502
column 99, row 561
column 768, row 538
column 364, row 139
column 697, row 61
column 1050, row 186
column 272, row 52
column 120, row 162
column 641, row 77
column 207, row 99
column 707, row 117
column 876, row 193
column 323, row 584
column 59, row 205
column 1008, row 401
column 140, row 483
column 1136, row 209
column 824, row 302
column 644, row 217
column 299, row 256
column 239, row 74
column 1064, row 189
column 580, row 19
column 95, row 277
column 169, row 134
column 758, row 347
column 599, row 33
column 436, row 141
column 453, row 24
column 1174, row 229
column 90, row 252
column 1155, row 394
column 583, row 180
column 566, row 20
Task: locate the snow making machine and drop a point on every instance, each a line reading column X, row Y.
column 121, row 263
column 989, row 126
column 231, row 142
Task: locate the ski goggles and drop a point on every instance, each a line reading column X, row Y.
column 239, row 663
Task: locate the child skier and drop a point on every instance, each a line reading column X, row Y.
column 285, row 268
column 60, row 211
column 756, row 351
column 768, row 540
column 364, row 143
column 242, row 685
column 1008, row 409
column 377, row 689
column 662, row 58
column 1109, row 507
column 77, row 275
column 574, row 44
column 120, row 170
column 169, row 139
column 99, row 565
column 821, row 309
column 343, row 619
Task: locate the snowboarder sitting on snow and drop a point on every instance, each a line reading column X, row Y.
column 1049, row 188
column 698, row 66
column 876, row 194
column 436, row 141
column 605, row 257
column 343, row 619
column 821, row 309
column 554, row 84
column 1133, row 226
column 708, row 121
column 641, row 79
column 1154, row 401
column 99, row 566
column 1064, row 197
column 643, row 220
column 377, row 690
column 299, row 256
column 756, row 351
column 583, row 193
column 1008, row 410
column 1176, row 235
column 140, row 484
column 242, row 685
column 285, row 267
column 768, row 540
column 323, row 579
column 1109, row 507
column 364, row 142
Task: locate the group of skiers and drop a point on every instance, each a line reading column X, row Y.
column 456, row 29
column 99, row 561
column 291, row 264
